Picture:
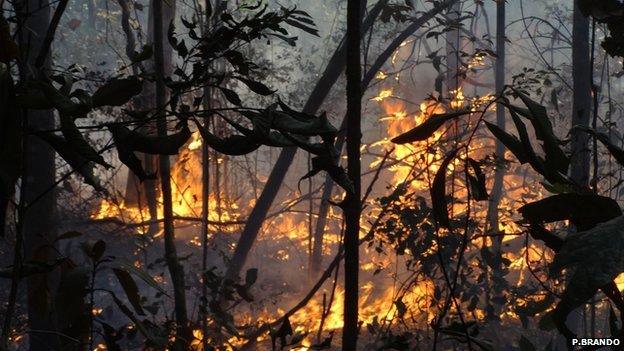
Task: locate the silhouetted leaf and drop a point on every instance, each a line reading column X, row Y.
column 77, row 141
column 234, row 145
column 511, row 142
column 256, row 87
column 438, row 193
column 130, row 288
column 477, row 182
column 526, row 344
column 427, row 128
column 77, row 162
column 336, row 173
column 231, row 96
column 591, row 271
column 117, row 92
column 614, row 150
column 584, row 210
column 251, row 276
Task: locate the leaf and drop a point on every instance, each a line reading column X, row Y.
column 117, row 92
column 596, row 257
column 303, row 27
column 77, row 162
column 68, row 235
column 337, row 174
column 614, row 150
column 401, row 308
column 290, row 124
column 256, row 87
column 74, row 23
column 584, row 210
column 282, row 332
column 94, row 249
column 234, row 145
column 425, row 130
column 153, row 145
column 78, row 143
column 139, row 273
column 153, row 339
column 438, row 193
column 130, row 288
column 477, row 182
column 511, row 142
column 526, row 344
column 251, row 276
column 231, row 96
column 555, row 157
column 145, row 54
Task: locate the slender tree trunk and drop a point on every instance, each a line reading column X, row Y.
column 146, row 102
column 352, row 204
column 38, row 227
column 581, row 111
column 332, row 72
column 452, row 50
column 176, row 270
column 499, row 174
column 581, row 105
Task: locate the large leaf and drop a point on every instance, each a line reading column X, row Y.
column 477, row 181
column 77, row 141
column 511, row 142
column 597, row 257
column 117, row 92
column 584, row 210
column 130, row 288
column 614, row 150
column 438, row 193
column 256, row 87
column 537, row 114
column 77, row 162
column 427, row 128
column 336, row 173
column 289, row 124
column 234, row 145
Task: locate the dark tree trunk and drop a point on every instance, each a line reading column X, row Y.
column 581, row 111
column 499, row 174
column 581, row 105
column 352, row 204
column 136, row 192
column 176, row 270
column 38, row 228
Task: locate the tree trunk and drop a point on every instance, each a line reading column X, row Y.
column 332, row 72
column 352, row 204
column 137, row 192
column 581, row 110
column 176, row 270
column 452, row 50
column 499, row 174
column 38, row 229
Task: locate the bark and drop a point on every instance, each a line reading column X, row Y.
column 137, row 192
column 581, row 111
column 452, row 49
column 499, row 174
column 581, row 105
column 176, row 270
column 38, row 221
column 352, row 204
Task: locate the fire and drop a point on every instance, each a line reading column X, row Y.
column 186, row 194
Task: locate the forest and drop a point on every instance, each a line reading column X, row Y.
column 311, row 175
